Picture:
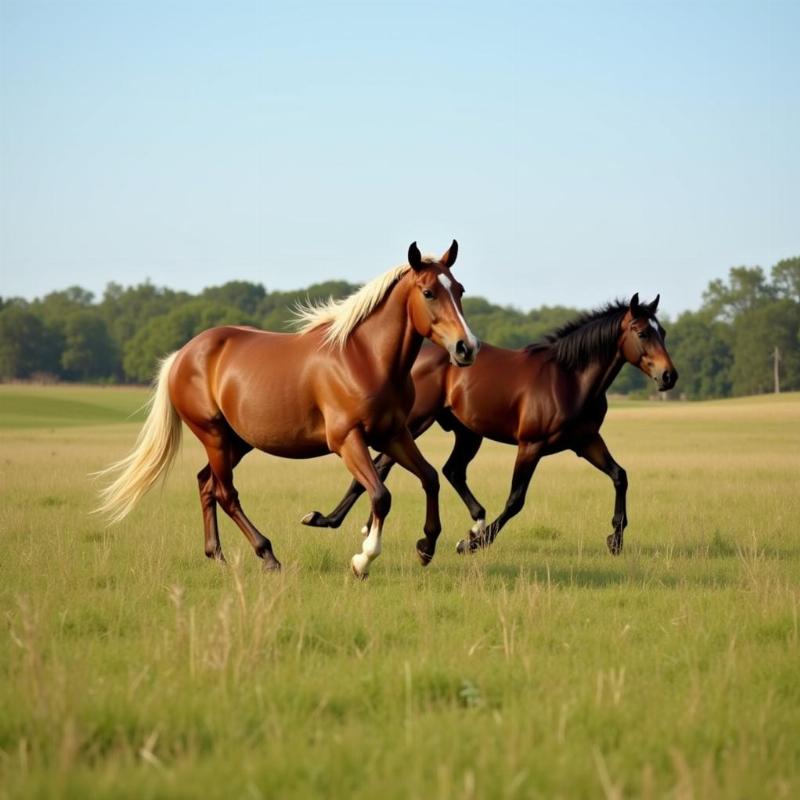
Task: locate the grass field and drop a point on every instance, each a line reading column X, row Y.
column 132, row 667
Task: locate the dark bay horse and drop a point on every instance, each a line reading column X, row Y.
column 545, row 398
column 342, row 384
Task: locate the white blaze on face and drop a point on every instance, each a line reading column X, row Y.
column 654, row 325
column 471, row 339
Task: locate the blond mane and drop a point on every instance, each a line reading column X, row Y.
column 342, row 316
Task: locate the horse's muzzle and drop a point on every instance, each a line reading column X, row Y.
column 667, row 379
column 463, row 355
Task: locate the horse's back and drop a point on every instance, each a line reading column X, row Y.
column 258, row 381
column 511, row 395
column 212, row 354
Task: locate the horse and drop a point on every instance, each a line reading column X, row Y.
column 545, row 398
column 340, row 384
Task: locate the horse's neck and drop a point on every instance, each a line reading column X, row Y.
column 387, row 338
column 598, row 375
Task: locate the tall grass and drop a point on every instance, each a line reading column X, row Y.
column 132, row 667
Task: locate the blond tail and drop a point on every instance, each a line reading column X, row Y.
column 152, row 456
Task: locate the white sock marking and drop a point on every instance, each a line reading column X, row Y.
column 370, row 550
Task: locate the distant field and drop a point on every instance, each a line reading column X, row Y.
column 132, row 667
column 23, row 406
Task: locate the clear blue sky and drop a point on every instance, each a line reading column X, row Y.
column 577, row 151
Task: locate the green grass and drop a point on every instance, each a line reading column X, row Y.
column 23, row 406
column 132, row 667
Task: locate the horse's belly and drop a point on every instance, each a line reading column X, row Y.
column 281, row 433
column 277, row 421
column 295, row 449
column 499, row 427
column 504, row 435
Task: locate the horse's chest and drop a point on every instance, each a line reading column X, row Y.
column 381, row 426
column 385, row 409
column 572, row 432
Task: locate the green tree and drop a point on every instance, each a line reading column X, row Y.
column 702, row 351
column 506, row 326
column 89, row 351
column 26, row 344
column 726, row 347
column 757, row 333
column 747, row 288
column 127, row 310
column 245, row 296
column 632, row 381
column 786, row 279
column 54, row 307
column 165, row 334
column 275, row 312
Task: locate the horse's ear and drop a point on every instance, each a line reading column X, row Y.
column 654, row 305
column 634, row 304
column 414, row 257
column 449, row 258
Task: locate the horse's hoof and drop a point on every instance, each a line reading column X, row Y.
column 478, row 529
column 422, row 553
column 272, row 565
column 358, row 567
column 614, row 544
column 468, row 546
column 314, row 519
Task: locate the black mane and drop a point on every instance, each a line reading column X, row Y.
column 591, row 336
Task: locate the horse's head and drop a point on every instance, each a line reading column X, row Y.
column 434, row 305
column 642, row 343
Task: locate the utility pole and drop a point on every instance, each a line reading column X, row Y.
column 776, row 360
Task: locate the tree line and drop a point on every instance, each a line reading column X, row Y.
column 728, row 347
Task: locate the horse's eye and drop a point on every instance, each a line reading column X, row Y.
column 427, row 294
column 644, row 334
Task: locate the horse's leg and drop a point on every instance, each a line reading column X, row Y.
column 596, row 453
column 208, row 502
column 528, row 455
column 355, row 455
column 333, row 520
column 404, row 451
column 223, row 456
column 383, row 465
column 465, row 449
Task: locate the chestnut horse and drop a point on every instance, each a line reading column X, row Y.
column 545, row 398
column 342, row 384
